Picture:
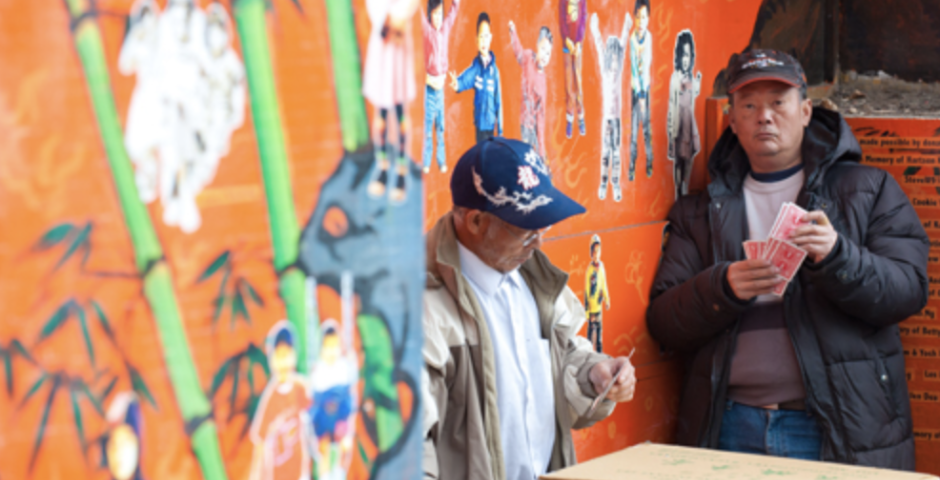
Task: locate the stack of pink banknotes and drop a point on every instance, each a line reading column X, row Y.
column 784, row 255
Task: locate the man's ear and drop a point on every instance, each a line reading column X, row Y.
column 474, row 221
column 731, row 118
column 806, row 111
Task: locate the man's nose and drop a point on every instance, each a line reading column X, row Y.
column 764, row 114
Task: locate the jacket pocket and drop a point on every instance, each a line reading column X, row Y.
column 884, row 378
column 866, row 406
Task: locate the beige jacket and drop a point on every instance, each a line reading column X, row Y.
column 461, row 422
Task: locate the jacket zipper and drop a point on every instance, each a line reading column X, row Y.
column 811, row 403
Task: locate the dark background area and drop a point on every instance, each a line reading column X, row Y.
column 900, row 37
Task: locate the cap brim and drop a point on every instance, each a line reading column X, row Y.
column 557, row 209
column 760, row 76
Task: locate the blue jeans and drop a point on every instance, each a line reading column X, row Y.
column 781, row 433
column 638, row 119
column 433, row 117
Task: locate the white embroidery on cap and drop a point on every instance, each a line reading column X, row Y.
column 761, row 62
column 536, row 161
column 527, row 178
column 523, row 201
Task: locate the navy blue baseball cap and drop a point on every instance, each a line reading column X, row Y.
column 509, row 179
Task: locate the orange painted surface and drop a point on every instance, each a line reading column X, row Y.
column 54, row 171
column 909, row 149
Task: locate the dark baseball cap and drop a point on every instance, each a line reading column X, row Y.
column 509, row 179
column 764, row 64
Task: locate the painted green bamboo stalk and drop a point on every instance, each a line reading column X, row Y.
column 158, row 283
column 272, row 149
column 347, row 74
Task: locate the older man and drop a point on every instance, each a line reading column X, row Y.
column 817, row 373
column 507, row 377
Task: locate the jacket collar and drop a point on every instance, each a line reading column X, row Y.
column 826, row 141
column 488, row 65
column 484, row 276
column 545, row 280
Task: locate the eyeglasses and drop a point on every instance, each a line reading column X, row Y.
column 526, row 238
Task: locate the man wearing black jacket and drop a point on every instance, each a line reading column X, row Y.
column 818, row 372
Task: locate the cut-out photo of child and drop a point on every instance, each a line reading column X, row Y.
column 436, row 29
column 681, row 128
column 335, row 401
column 278, row 431
column 641, row 60
column 596, row 299
column 572, row 17
column 533, row 86
column 389, row 85
column 483, row 77
column 611, row 56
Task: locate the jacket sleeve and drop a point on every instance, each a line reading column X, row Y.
column 563, row 21
column 517, row 50
column 582, row 21
column 634, row 67
column 540, row 129
column 625, row 33
column 425, row 24
column 646, row 77
column 499, row 105
column 433, row 387
column 587, row 289
column 451, row 17
column 580, row 358
column 689, row 302
column 466, row 79
column 672, row 113
column 598, row 45
column 883, row 281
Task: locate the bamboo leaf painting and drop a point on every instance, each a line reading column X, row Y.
column 35, row 388
column 41, row 428
column 217, row 263
column 139, row 386
column 219, row 377
column 102, row 318
column 83, row 322
column 54, row 236
column 55, row 322
column 77, row 414
column 80, row 240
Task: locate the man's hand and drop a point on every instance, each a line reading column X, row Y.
column 603, row 373
column 818, row 238
column 750, row 278
column 453, row 80
column 512, row 27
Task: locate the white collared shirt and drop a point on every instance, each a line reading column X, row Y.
column 524, row 387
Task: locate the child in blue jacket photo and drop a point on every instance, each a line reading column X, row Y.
column 483, row 77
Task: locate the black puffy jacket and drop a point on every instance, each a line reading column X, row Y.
column 842, row 313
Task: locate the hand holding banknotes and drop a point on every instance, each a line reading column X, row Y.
column 817, row 237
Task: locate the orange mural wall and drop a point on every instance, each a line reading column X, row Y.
column 170, row 272
column 908, row 149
